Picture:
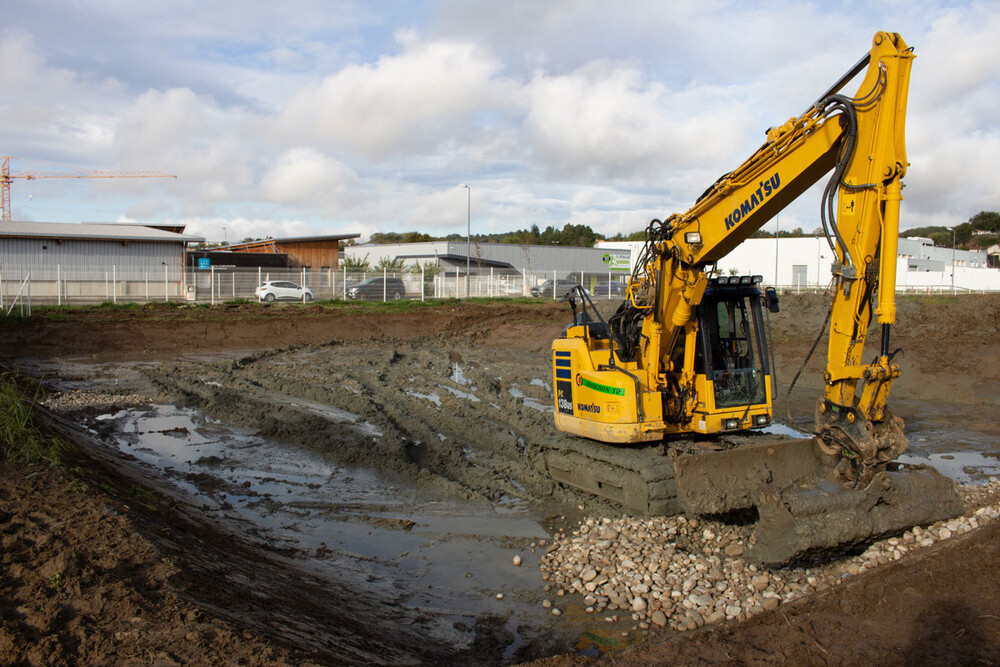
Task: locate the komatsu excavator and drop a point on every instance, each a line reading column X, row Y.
column 687, row 354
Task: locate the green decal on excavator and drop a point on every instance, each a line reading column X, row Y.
column 603, row 388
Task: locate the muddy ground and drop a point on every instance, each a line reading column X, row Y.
column 434, row 418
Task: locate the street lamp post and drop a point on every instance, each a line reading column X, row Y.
column 468, row 240
column 952, row 260
column 777, row 233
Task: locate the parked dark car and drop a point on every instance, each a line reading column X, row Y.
column 605, row 288
column 375, row 289
column 561, row 287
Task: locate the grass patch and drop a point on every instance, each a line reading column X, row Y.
column 21, row 439
column 110, row 305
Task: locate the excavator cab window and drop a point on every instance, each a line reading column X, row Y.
column 733, row 347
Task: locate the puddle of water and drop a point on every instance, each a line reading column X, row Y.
column 463, row 394
column 959, row 440
column 457, row 376
column 527, row 401
column 434, row 398
column 437, row 555
column 962, row 467
column 777, row 428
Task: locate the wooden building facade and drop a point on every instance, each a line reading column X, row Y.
column 312, row 252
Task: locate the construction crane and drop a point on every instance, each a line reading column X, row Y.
column 6, row 178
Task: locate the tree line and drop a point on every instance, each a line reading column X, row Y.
column 980, row 231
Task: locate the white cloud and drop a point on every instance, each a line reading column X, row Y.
column 307, row 116
column 304, row 175
column 398, row 104
column 48, row 109
column 608, row 121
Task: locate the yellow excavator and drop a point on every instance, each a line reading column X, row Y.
column 687, row 355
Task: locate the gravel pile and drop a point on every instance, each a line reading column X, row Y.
column 684, row 573
column 76, row 400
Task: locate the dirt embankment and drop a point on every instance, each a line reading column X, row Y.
column 410, row 374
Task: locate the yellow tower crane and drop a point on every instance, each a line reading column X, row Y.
column 6, row 178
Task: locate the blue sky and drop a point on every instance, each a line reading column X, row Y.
column 314, row 117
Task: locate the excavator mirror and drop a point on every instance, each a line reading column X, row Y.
column 771, row 299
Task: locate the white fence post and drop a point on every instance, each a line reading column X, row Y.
column 211, row 283
column 166, row 283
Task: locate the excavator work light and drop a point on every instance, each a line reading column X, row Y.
column 760, row 420
column 757, row 280
column 692, row 238
column 732, row 424
column 746, row 280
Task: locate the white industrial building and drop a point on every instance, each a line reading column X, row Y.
column 805, row 262
column 495, row 258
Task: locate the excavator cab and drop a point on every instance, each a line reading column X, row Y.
column 735, row 351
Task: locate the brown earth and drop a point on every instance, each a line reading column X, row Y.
column 108, row 566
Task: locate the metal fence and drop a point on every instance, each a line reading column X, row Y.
column 226, row 284
column 18, row 291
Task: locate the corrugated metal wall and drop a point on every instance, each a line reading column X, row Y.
column 82, row 260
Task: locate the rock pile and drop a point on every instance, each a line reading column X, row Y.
column 72, row 401
column 686, row 572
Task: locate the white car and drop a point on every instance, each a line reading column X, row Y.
column 283, row 289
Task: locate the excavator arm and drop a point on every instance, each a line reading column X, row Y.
column 860, row 140
column 687, row 354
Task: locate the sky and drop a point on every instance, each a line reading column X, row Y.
column 313, row 117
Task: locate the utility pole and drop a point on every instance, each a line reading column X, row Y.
column 468, row 240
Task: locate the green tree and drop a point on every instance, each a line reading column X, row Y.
column 987, row 221
column 431, row 270
column 395, row 265
column 384, row 238
column 356, row 263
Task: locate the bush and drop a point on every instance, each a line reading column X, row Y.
column 21, row 439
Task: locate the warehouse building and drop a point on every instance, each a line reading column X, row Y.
column 452, row 258
column 805, row 262
column 92, row 260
